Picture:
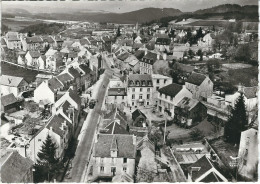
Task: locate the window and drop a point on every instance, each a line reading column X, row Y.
column 147, row 103
column 140, row 96
column 166, row 97
column 133, row 103
column 157, row 88
column 160, row 94
column 39, row 140
column 113, row 160
column 148, row 89
column 171, row 98
column 125, row 160
column 148, row 96
column 115, row 97
column 124, row 169
column 141, row 89
column 133, row 89
column 133, row 96
column 101, row 169
column 158, row 81
column 101, row 160
column 123, row 97
column 165, row 80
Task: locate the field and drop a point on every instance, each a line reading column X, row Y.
column 209, row 23
column 236, row 66
column 29, row 75
column 16, row 25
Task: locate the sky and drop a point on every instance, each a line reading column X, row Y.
column 117, row 6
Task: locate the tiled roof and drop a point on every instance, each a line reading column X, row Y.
column 64, row 78
column 137, row 113
column 58, row 39
column 114, row 128
column 56, row 123
column 124, row 143
column 48, row 39
column 163, row 41
column 14, row 167
column 116, row 92
column 137, row 45
column 74, row 72
column 13, row 37
column 123, row 56
column 196, row 78
column 139, row 54
column 43, row 58
column 3, row 42
column 8, row 80
column 152, row 57
column 117, row 114
column 34, row 54
column 143, row 79
column 35, row 39
column 171, row 90
column 188, row 103
column 8, row 99
column 54, row 84
column 84, row 42
column 74, row 95
column 85, row 68
column 150, row 45
column 51, row 52
column 212, row 177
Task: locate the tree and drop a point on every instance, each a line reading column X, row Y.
column 237, row 121
column 29, row 34
column 199, row 33
column 196, row 134
column 243, row 53
column 47, row 164
column 200, row 54
column 190, row 53
column 118, row 33
column 134, row 36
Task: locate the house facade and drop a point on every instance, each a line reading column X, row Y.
column 139, row 90
column 200, row 85
column 169, row 96
column 146, row 65
column 114, row 155
column 159, row 81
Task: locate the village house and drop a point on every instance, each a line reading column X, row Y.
column 139, row 119
column 248, row 148
column 58, row 41
column 50, row 52
column 32, row 57
column 41, row 62
column 54, row 62
column 204, row 170
column 207, row 40
column 115, row 115
column 16, row 169
column 117, row 96
column 66, row 79
column 32, row 43
column 13, row 41
column 159, row 81
column 163, row 44
column 58, row 128
column 169, row 96
column 48, row 90
column 11, row 84
column 250, row 97
column 146, row 65
column 190, row 111
column 140, row 90
column 114, row 154
column 48, row 41
column 42, row 77
column 9, row 103
column 114, row 128
column 21, row 60
column 200, row 85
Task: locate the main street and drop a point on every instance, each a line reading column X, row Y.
column 87, row 134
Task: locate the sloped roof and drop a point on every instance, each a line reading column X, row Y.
column 14, row 167
column 123, row 56
column 64, row 78
column 133, row 62
column 3, row 42
column 139, row 54
column 56, row 123
column 140, row 77
column 188, row 103
column 212, row 177
column 137, row 45
column 43, row 58
column 74, row 72
column 150, row 56
column 34, row 39
column 125, row 146
column 117, row 114
column 12, row 37
column 84, row 42
column 163, row 41
column 196, row 78
column 8, row 99
column 171, row 90
column 8, row 80
column 54, row 84
column 137, row 113
column 74, row 95
column 85, row 68
column 150, row 45
column 34, row 54
column 114, row 128
column 48, row 39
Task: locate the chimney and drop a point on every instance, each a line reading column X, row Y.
column 145, row 52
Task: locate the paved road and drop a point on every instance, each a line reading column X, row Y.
column 83, row 151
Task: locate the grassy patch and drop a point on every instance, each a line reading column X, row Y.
column 243, row 75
